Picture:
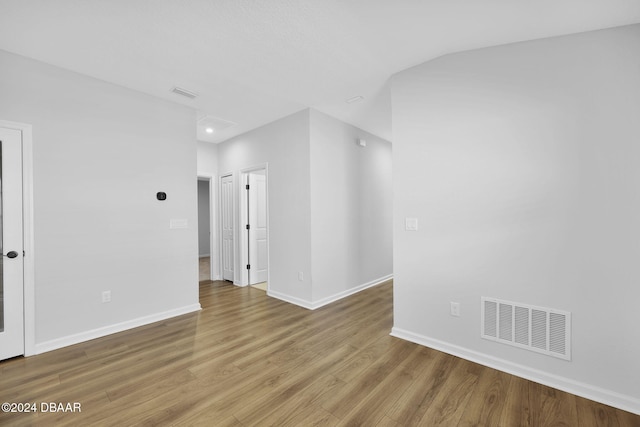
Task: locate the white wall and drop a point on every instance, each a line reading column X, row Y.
column 521, row 164
column 329, row 204
column 101, row 152
column 207, row 159
column 351, row 208
column 284, row 146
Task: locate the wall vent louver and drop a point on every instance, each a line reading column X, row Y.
column 539, row 329
column 184, row 92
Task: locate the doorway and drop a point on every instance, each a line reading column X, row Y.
column 12, row 337
column 205, row 249
column 255, row 242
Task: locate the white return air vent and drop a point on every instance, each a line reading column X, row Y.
column 543, row 330
column 184, row 92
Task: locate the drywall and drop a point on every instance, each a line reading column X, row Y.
column 207, row 159
column 204, row 220
column 520, row 163
column 283, row 146
column 351, row 208
column 100, row 155
column 329, row 204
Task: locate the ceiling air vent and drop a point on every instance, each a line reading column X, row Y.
column 543, row 330
column 184, row 92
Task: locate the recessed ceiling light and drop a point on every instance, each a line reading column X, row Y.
column 355, row 99
column 209, row 130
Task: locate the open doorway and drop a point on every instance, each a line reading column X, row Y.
column 205, row 258
column 255, row 242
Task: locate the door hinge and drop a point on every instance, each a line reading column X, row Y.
column 247, row 186
column 248, row 266
column 248, row 226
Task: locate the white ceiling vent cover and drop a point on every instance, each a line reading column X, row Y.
column 184, row 92
column 543, row 330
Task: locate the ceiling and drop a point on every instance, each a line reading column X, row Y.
column 252, row 62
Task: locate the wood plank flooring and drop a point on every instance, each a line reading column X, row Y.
column 250, row 360
column 204, row 268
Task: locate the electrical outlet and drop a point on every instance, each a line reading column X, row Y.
column 106, row 296
column 455, row 309
column 300, row 276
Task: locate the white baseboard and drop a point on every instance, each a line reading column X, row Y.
column 293, row 300
column 332, row 298
column 111, row 329
column 588, row 391
column 312, row 305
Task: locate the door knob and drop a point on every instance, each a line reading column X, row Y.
column 12, row 254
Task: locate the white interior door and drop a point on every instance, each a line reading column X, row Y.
column 257, row 199
column 226, row 218
column 11, row 245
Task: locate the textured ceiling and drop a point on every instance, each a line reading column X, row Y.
column 252, row 62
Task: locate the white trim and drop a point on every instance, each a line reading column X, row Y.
column 312, row 305
column 28, row 227
column 608, row 397
column 239, row 285
column 293, row 300
column 348, row 292
column 112, row 329
column 241, row 254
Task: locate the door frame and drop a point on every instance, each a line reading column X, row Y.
column 213, row 248
column 27, row 233
column 243, row 219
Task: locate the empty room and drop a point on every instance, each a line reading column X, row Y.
column 296, row 213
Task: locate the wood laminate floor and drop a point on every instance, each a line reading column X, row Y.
column 250, row 360
column 204, row 268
